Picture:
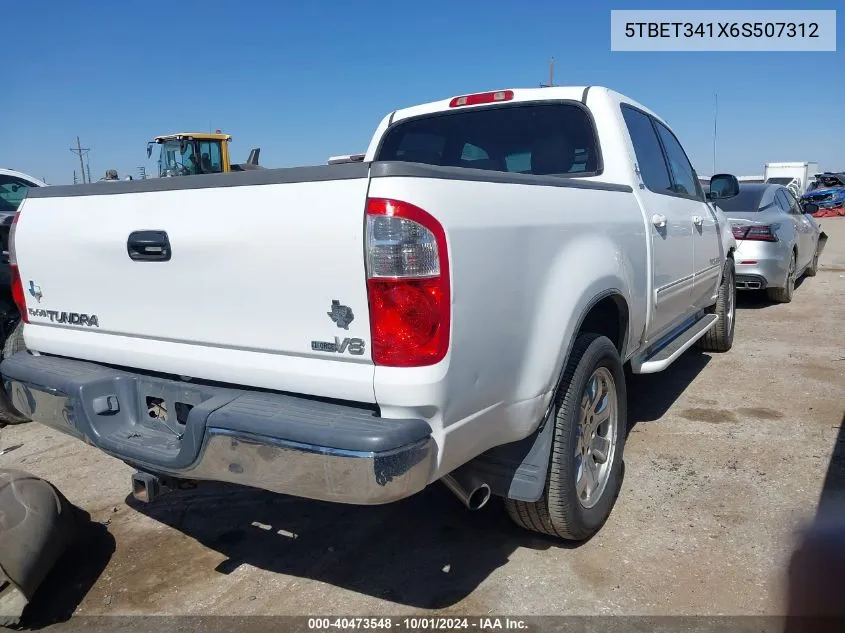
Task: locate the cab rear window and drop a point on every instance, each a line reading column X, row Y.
column 542, row 139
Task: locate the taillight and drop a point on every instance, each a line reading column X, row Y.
column 15, row 276
column 407, row 285
column 482, row 97
column 755, row 232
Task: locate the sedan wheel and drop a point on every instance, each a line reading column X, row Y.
column 784, row 295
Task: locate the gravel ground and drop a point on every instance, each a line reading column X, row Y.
column 729, row 455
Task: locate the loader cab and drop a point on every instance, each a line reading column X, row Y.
column 191, row 154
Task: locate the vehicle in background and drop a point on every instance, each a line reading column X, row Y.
column 14, row 186
column 776, row 240
column 827, row 192
column 795, row 176
column 194, row 153
column 459, row 306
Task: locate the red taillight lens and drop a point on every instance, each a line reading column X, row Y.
column 15, row 276
column 482, row 97
column 407, row 284
column 17, row 292
column 756, row 232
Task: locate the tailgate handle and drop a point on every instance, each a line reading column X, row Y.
column 148, row 246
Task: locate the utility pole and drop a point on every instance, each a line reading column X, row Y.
column 75, row 181
column 88, row 167
column 715, row 114
column 79, row 151
column 551, row 74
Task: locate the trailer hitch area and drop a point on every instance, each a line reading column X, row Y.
column 147, row 487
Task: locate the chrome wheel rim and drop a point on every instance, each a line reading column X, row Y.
column 595, row 445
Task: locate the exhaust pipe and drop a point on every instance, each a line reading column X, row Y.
column 467, row 487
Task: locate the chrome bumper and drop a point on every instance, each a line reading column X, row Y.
column 314, row 472
column 235, row 455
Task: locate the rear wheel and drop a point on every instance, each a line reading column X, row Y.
column 784, row 295
column 12, row 345
column 585, row 473
column 813, row 268
column 720, row 338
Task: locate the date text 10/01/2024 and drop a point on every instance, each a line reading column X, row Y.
column 418, row 623
column 721, row 29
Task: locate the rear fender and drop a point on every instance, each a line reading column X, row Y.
column 592, row 269
column 518, row 470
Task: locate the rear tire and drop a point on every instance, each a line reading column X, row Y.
column 784, row 295
column 593, row 384
column 720, row 338
column 813, row 268
column 13, row 344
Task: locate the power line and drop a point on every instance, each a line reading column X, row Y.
column 80, row 151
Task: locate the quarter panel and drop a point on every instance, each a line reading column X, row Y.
column 525, row 261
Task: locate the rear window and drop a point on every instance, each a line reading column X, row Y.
column 746, row 201
column 541, row 139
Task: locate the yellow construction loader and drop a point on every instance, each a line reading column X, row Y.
column 192, row 153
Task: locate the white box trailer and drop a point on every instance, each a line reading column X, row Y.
column 796, row 176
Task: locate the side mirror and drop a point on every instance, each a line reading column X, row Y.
column 149, row 149
column 810, row 207
column 723, row 186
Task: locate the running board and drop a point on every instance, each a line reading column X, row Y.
column 668, row 354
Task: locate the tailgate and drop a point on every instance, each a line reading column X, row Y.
column 264, row 269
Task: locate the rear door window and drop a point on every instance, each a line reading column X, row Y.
column 542, row 139
column 684, row 179
column 650, row 159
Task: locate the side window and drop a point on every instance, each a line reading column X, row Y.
column 650, row 159
column 780, row 201
column 683, row 175
column 210, row 158
column 794, row 207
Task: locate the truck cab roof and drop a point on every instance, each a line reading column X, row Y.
column 193, row 135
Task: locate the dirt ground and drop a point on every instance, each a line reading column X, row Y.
column 728, row 455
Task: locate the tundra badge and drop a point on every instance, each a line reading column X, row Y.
column 72, row 318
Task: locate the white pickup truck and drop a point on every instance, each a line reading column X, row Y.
column 458, row 306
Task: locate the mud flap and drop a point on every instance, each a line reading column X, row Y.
column 518, row 470
column 37, row 523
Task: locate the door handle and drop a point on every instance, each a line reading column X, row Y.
column 148, row 246
column 658, row 220
column 697, row 220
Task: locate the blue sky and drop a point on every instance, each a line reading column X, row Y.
column 308, row 80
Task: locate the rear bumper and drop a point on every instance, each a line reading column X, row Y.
column 282, row 443
column 765, row 265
